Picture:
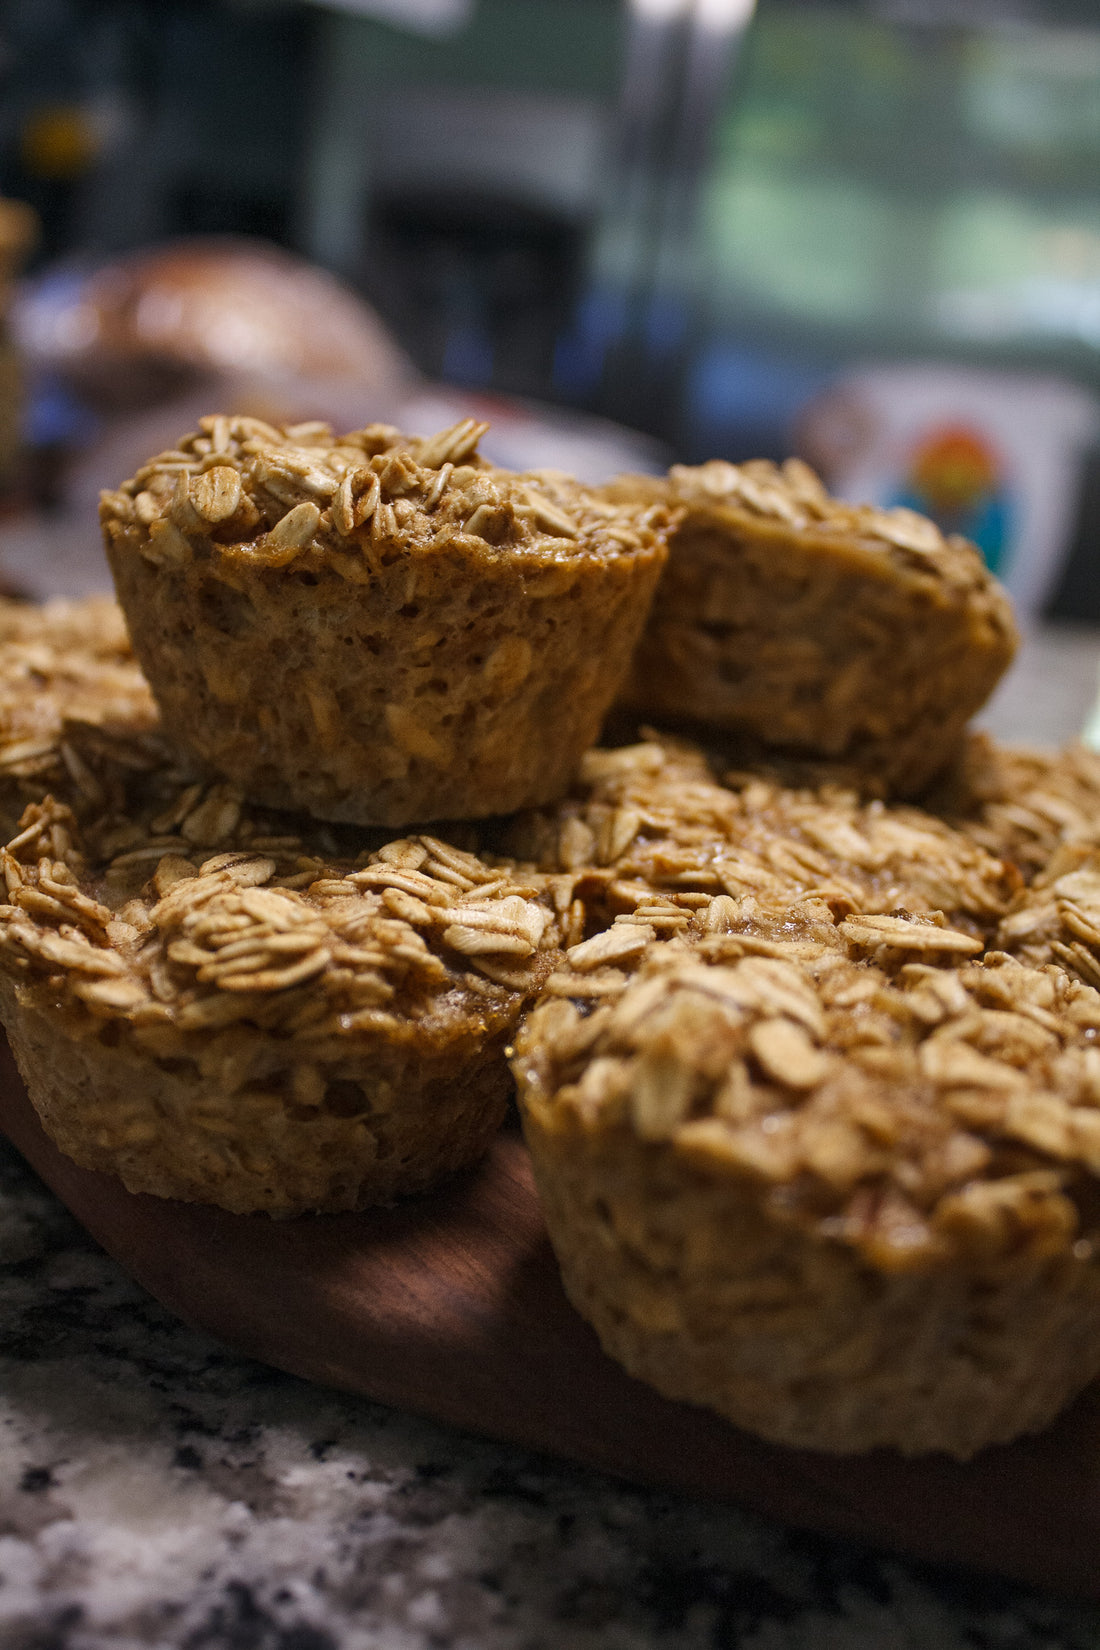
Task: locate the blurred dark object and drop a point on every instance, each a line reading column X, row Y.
column 128, row 121
column 152, row 324
column 18, row 231
column 484, row 285
column 460, row 178
column 1077, row 595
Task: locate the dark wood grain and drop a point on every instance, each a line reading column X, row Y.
column 451, row 1306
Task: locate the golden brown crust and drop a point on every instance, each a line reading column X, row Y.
column 841, row 1192
column 649, row 824
column 839, row 631
column 376, row 628
column 871, row 1096
column 710, row 1302
column 309, row 1032
column 378, row 1129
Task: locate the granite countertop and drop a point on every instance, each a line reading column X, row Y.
column 156, row 1490
column 159, row 1491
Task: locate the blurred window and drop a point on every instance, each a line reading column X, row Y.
column 910, row 182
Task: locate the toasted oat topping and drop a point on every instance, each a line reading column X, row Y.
column 271, row 495
column 76, row 715
column 67, row 677
column 792, row 493
column 1058, row 918
column 913, row 1111
column 649, row 824
column 1024, row 804
column 173, row 937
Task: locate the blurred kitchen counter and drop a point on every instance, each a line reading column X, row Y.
column 1051, row 688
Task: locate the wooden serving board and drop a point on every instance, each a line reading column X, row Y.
column 450, row 1305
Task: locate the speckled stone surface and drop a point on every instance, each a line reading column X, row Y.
column 156, row 1490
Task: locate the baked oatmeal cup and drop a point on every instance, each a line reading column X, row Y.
column 374, row 628
column 789, row 618
column 842, row 1187
column 216, row 1008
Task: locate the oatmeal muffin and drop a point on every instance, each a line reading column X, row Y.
column 839, row 1186
column 214, row 1008
column 69, row 688
column 374, row 628
column 649, row 825
column 819, row 627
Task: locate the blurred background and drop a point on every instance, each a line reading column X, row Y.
column 626, row 231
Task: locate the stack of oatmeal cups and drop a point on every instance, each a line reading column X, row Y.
column 806, row 1068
